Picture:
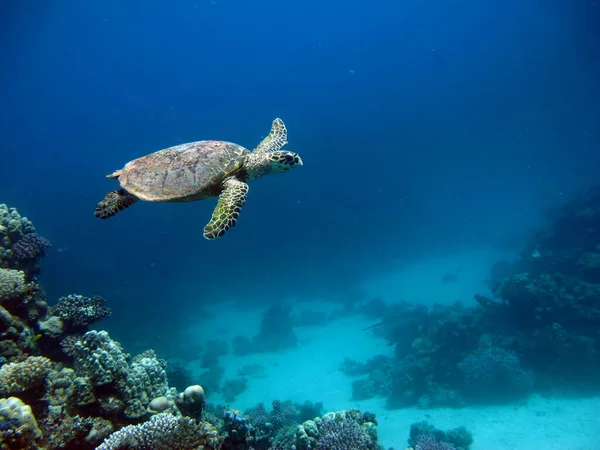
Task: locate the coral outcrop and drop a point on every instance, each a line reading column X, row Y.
column 20, row 247
column 537, row 328
column 164, row 432
column 63, row 386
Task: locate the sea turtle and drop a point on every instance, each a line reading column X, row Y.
column 199, row 170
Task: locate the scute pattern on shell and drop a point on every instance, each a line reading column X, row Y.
column 186, row 172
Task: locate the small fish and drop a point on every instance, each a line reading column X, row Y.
column 373, row 326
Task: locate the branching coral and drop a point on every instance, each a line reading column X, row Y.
column 428, row 442
column 494, row 372
column 30, row 247
column 341, row 435
column 12, row 228
column 164, row 432
column 78, row 312
column 12, row 284
column 99, row 358
column 104, row 362
column 339, row 431
column 424, row 436
column 21, row 376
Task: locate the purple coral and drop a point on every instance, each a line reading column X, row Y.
column 282, row 414
column 30, row 246
column 495, row 371
column 258, row 416
column 342, row 435
column 428, row 442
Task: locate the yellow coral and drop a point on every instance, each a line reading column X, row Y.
column 13, row 409
column 20, row 376
column 12, row 284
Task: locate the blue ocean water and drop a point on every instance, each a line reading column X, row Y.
column 426, row 128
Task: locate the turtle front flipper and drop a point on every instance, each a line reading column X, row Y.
column 228, row 208
column 276, row 139
column 114, row 202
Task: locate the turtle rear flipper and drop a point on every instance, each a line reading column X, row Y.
column 114, row 202
column 276, row 139
column 228, row 208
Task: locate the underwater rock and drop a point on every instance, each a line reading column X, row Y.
column 192, row 401
column 22, row 429
column 52, row 327
column 159, row 405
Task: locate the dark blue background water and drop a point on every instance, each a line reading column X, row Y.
column 423, row 126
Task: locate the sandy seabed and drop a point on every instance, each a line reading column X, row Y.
column 311, row 371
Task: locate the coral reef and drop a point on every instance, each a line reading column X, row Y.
column 18, row 377
column 164, row 432
column 537, row 330
column 494, row 372
column 64, row 387
column 30, row 247
column 424, row 436
column 12, row 228
column 102, row 361
column 338, row 431
column 12, row 284
column 78, row 312
column 20, row 247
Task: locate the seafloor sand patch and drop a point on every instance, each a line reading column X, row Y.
column 310, row 372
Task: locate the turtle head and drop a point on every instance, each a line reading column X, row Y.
column 280, row 161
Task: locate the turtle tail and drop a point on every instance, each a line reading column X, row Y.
column 114, row 202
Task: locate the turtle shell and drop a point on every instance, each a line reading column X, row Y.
column 186, row 172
